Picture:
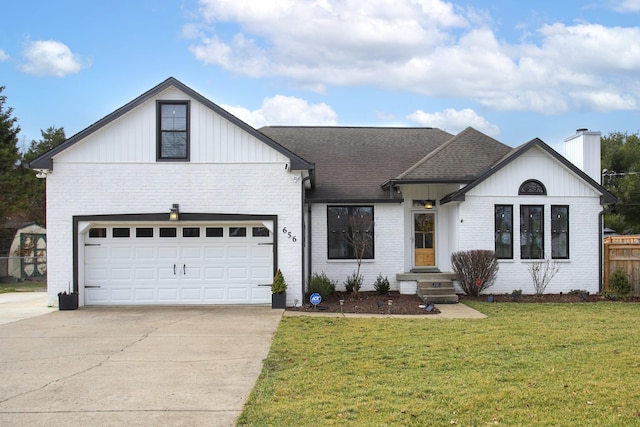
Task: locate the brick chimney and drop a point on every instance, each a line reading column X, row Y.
column 583, row 150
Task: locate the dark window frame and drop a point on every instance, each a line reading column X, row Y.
column 532, row 187
column 161, row 130
column 557, row 222
column 531, row 234
column 335, row 243
column 503, row 240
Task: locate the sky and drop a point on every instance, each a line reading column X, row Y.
column 515, row 70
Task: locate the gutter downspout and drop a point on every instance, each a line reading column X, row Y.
column 304, row 238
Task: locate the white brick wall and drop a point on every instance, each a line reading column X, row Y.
column 580, row 271
column 96, row 189
column 389, row 247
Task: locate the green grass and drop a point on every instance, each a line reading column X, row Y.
column 22, row 287
column 526, row 364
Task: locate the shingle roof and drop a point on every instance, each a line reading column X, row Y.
column 461, row 159
column 351, row 163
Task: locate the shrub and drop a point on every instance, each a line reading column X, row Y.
column 353, row 283
column 542, row 272
column 321, row 284
column 278, row 286
column 619, row 284
column 516, row 294
column 476, row 269
column 381, row 285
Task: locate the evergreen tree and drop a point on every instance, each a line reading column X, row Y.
column 9, row 159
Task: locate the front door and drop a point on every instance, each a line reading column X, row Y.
column 424, row 239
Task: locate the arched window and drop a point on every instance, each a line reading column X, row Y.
column 532, row 187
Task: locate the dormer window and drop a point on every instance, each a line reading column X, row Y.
column 532, row 187
column 173, row 130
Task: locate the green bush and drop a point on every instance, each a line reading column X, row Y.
column 381, row 285
column 516, row 294
column 353, row 283
column 278, row 286
column 321, row 284
column 619, row 284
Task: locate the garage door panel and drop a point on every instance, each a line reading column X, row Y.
column 238, row 273
column 168, row 295
column 96, row 274
column 238, row 253
column 214, row 295
column 121, row 253
column 145, row 254
column 167, row 253
column 144, row 295
column 121, row 274
column 202, row 269
column 214, row 273
column 96, row 253
column 144, row 273
column 121, row 295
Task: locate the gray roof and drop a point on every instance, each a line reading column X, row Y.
column 352, row 163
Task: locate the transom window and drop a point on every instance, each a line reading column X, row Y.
column 173, row 130
column 532, row 187
column 350, row 232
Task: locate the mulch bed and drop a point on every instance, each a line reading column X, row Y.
column 369, row 303
column 374, row 303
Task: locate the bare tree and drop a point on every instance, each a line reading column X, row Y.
column 542, row 272
column 359, row 237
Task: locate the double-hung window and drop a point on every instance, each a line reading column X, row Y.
column 350, row 232
column 504, row 231
column 173, row 130
column 532, row 232
column 560, row 232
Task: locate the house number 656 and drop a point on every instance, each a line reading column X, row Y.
column 289, row 235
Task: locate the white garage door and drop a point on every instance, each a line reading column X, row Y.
column 130, row 264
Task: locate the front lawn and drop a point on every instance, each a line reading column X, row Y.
column 526, row 364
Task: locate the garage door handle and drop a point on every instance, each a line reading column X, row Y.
column 184, row 268
column 174, row 269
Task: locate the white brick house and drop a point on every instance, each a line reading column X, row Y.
column 251, row 201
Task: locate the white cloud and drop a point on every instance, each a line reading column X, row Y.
column 454, row 121
column 430, row 47
column 286, row 110
column 4, row 56
column 50, row 58
column 627, row 6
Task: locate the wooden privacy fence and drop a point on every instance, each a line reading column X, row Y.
column 623, row 253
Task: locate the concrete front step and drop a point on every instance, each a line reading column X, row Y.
column 437, row 291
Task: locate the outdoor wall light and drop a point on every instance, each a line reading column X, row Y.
column 427, row 204
column 174, row 213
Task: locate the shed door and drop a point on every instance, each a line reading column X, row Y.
column 131, row 264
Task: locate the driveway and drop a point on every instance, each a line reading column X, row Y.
column 134, row 366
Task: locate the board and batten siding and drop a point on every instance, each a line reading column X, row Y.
column 132, row 138
column 477, row 226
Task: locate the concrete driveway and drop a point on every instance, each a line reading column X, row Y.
column 134, row 366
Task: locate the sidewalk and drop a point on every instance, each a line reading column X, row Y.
column 16, row 306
